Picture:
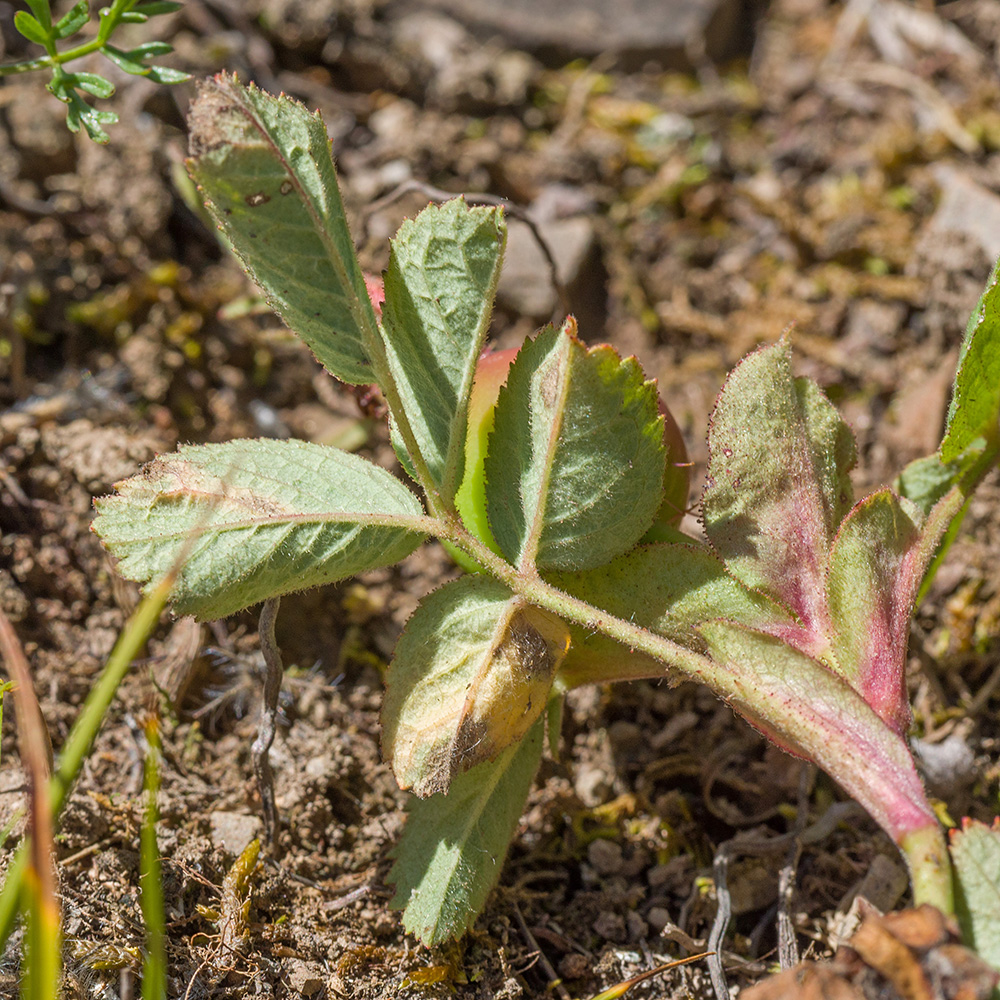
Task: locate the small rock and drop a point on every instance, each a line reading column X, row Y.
column 605, row 856
column 658, row 918
column 574, row 966
column 592, row 785
column 304, row 979
column 526, row 285
column 637, row 31
column 233, row 831
column 638, row 929
column 610, row 926
column 966, row 208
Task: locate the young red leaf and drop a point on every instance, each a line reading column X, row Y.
column 875, row 572
column 778, row 486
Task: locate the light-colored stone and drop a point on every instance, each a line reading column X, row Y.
column 636, row 31
column 233, row 831
column 525, row 285
column 966, row 209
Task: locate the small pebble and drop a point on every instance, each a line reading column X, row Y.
column 605, row 856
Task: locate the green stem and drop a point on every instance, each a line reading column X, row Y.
column 55, row 58
column 926, row 853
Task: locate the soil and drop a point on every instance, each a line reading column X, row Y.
column 804, row 184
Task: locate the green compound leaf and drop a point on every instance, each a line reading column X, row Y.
column 155, row 7
column 470, row 675
column 73, row 20
column 809, row 711
column 42, row 10
column 453, row 846
column 80, row 114
column 777, row 482
column 439, row 289
column 92, row 83
column 249, row 520
column 975, row 854
column 669, row 589
column 264, row 166
column 975, row 401
column 166, row 75
column 875, row 572
column 574, row 471
column 30, row 28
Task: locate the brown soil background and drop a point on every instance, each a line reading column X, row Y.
column 841, row 181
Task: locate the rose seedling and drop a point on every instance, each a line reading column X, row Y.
column 794, row 609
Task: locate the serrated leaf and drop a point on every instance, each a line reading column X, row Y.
column 808, row 710
column 669, row 589
column 30, row 28
column 975, row 400
column 777, row 483
column 875, row 572
column 439, row 289
column 73, row 20
column 574, row 470
column 453, row 846
column 470, row 675
column 264, row 166
column 92, row 83
column 975, row 854
column 249, row 520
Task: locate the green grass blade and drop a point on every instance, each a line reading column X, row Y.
column 81, row 738
column 154, row 966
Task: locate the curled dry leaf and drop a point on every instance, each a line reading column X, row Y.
column 908, row 955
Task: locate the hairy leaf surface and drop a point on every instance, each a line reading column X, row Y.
column 453, row 846
column 875, row 572
column 263, row 164
column 975, row 853
column 669, row 589
column 470, row 675
column 810, row 711
column 778, row 485
column 439, row 289
column 249, row 520
column 574, row 471
column 975, row 400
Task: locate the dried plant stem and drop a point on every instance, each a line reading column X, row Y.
column 268, row 718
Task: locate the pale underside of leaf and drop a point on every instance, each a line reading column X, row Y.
column 574, row 471
column 808, row 710
column 975, row 854
column 453, row 846
column 439, row 290
column 249, row 520
column 975, row 401
column 263, row 164
column 778, row 485
column 875, row 572
column 470, row 675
